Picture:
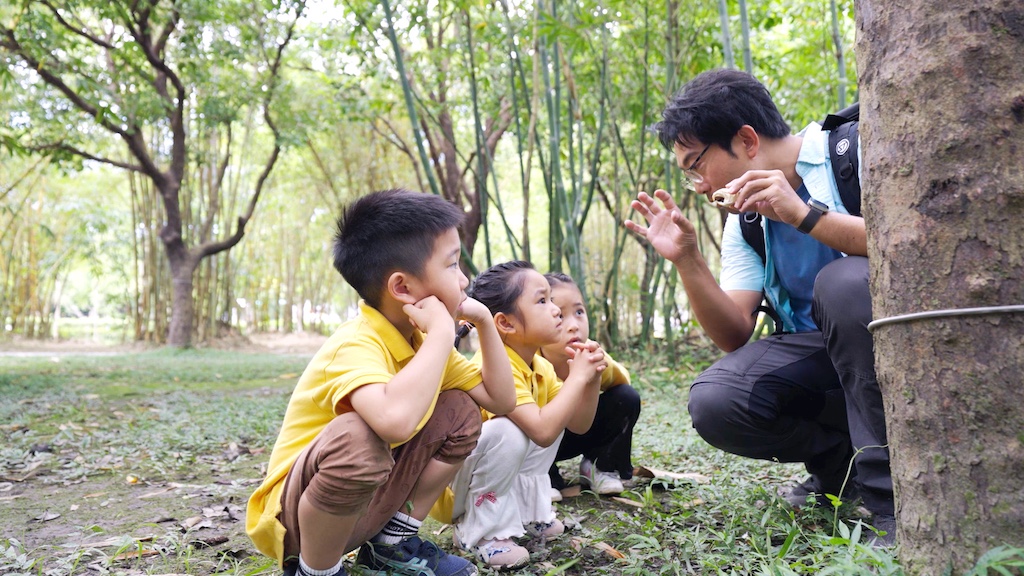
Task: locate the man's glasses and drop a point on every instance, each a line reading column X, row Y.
column 691, row 172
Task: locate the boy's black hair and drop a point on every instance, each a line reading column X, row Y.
column 713, row 106
column 388, row 231
column 500, row 286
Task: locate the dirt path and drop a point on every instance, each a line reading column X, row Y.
column 274, row 343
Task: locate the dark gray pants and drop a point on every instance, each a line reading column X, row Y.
column 810, row 397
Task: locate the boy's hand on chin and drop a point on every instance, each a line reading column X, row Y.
column 474, row 312
column 430, row 315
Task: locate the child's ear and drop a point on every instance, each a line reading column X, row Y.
column 504, row 324
column 399, row 287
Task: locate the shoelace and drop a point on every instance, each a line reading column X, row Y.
column 491, row 549
column 429, row 549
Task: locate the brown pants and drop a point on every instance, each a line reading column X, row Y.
column 347, row 469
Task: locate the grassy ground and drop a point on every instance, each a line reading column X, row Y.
column 141, row 464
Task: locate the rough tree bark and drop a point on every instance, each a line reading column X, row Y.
column 942, row 125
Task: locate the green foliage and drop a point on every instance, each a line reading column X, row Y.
column 195, row 429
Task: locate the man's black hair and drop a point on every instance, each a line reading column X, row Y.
column 713, row 106
column 388, row 231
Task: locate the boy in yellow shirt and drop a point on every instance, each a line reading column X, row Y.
column 387, row 410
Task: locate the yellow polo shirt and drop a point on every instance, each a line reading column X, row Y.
column 365, row 350
column 534, row 385
column 614, row 374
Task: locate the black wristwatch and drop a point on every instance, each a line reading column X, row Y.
column 817, row 209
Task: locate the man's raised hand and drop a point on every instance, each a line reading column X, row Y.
column 668, row 231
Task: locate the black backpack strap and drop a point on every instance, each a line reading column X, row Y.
column 753, row 234
column 843, row 141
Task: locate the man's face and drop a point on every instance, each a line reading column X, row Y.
column 716, row 167
column 441, row 275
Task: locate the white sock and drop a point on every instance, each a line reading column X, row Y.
column 400, row 527
column 305, row 570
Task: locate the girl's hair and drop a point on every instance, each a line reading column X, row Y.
column 500, row 286
column 555, row 278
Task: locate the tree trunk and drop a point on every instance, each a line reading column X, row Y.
column 182, row 265
column 942, row 141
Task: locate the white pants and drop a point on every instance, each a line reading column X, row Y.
column 502, row 485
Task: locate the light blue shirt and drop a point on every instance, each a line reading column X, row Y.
column 793, row 259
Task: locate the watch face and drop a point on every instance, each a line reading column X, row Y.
column 819, row 206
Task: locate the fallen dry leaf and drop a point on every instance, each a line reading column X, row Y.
column 27, row 473
column 647, row 472
column 135, row 554
column 196, row 523
column 608, row 549
column 157, row 492
column 210, row 542
column 579, row 543
column 118, row 541
column 628, row 502
column 46, row 517
column 571, row 491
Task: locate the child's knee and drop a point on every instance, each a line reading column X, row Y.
column 502, row 438
column 462, row 415
column 350, row 465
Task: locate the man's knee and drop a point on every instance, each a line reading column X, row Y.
column 712, row 409
column 841, row 291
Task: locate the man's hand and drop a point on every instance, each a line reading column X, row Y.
column 768, row 193
column 667, row 230
column 430, row 315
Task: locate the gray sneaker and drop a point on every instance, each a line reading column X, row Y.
column 810, row 493
column 885, row 531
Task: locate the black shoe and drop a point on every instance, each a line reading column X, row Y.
column 885, row 531
column 557, row 482
column 811, row 493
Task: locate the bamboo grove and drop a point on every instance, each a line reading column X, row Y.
column 533, row 116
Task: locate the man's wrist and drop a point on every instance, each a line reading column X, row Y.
column 815, row 210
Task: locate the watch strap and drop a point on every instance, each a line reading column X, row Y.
column 810, row 220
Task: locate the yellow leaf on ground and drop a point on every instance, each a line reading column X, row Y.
column 608, row 549
column 135, row 554
column 648, row 472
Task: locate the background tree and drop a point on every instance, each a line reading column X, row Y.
column 140, row 73
column 531, row 115
column 943, row 136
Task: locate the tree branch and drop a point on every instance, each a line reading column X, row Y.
column 80, row 32
column 82, row 153
column 210, row 248
column 11, row 43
